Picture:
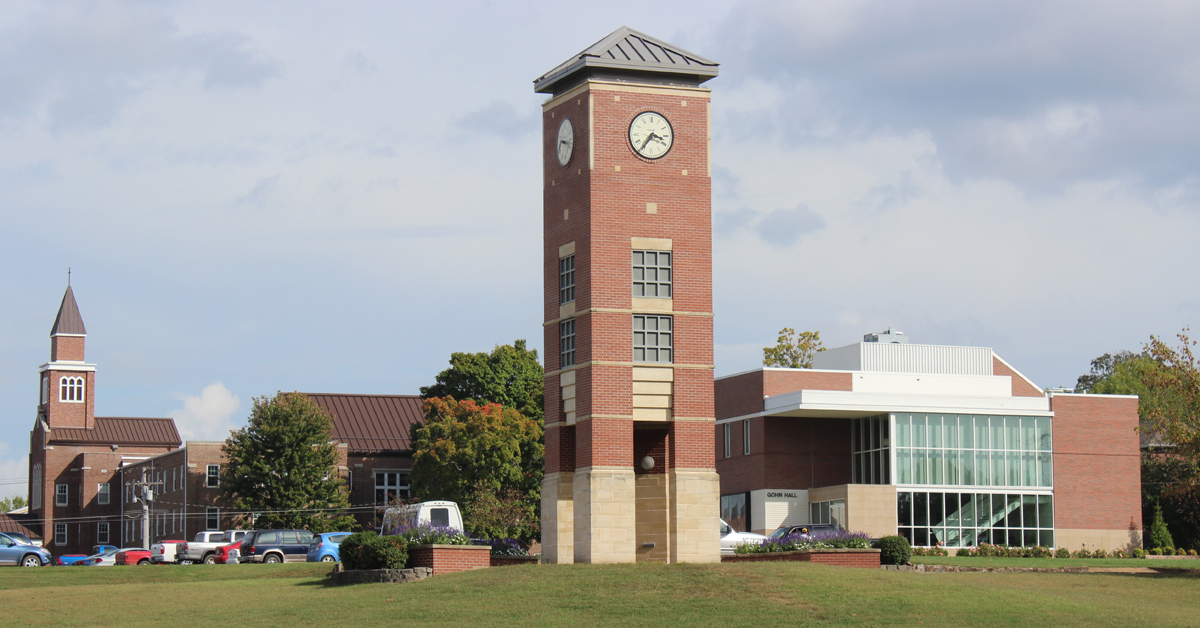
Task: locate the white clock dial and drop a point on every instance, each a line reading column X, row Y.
column 651, row 135
column 566, row 141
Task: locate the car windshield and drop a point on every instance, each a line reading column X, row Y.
column 779, row 534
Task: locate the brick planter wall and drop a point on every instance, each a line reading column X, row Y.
column 500, row 561
column 867, row 558
column 444, row 559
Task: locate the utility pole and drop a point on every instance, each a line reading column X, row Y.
column 143, row 492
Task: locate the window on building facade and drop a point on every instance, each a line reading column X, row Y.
column 828, row 513
column 652, row 274
column 213, row 479
column 35, row 492
column 102, row 494
column 102, row 533
column 62, row 495
column 974, row 450
column 45, row 388
column 212, row 518
column 60, row 534
column 734, row 511
column 566, row 279
column 652, row 340
column 728, row 449
column 390, row 485
column 566, row 343
column 70, row 389
column 870, row 460
column 968, row 519
column 746, row 437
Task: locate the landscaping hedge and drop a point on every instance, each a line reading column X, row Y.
column 893, row 550
column 367, row 550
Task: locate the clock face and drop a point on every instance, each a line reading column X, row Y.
column 566, row 141
column 650, row 135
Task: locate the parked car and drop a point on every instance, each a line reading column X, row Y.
column 204, row 547
column 324, row 547
column 805, row 528
column 106, row 558
column 18, row 537
column 228, row 554
column 16, row 552
column 731, row 538
column 275, row 546
column 135, row 556
column 441, row 514
column 163, row 552
column 71, row 559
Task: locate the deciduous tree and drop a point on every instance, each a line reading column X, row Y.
column 510, row 375
column 464, row 446
column 793, row 350
column 283, row 465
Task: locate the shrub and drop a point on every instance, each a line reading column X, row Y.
column 1191, row 552
column 1156, row 551
column 1159, row 536
column 1081, row 553
column 1139, row 552
column 505, row 547
column 965, row 552
column 893, row 550
column 1181, row 552
column 1062, row 552
column 366, row 550
column 1099, row 553
column 1038, row 552
column 1119, row 554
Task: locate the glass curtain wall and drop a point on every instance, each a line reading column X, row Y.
column 968, row 519
column 869, row 447
column 973, row 450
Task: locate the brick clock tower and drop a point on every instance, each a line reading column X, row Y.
column 630, row 469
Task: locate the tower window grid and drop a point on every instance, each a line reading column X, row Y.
column 566, row 279
column 566, row 343
column 652, row 274
column 652, row 338
column 70, row 389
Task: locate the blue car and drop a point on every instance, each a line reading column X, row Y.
column 324, row 547
column 14, row 552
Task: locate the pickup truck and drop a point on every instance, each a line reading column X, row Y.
column 140, row 556
column 164, row 552
column 203, row 549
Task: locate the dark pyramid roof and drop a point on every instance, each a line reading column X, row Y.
column 68, row 320
column 627, row 52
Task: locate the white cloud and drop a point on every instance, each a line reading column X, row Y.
column 14, row 473
column 208, row 416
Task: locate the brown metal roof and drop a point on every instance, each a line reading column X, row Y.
column 121, row 431
column 68, row 320
column 371, row 423
column 20, row 523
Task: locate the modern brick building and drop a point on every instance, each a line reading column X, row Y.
column 628, row 305
column 943, row 445
column 76, row 457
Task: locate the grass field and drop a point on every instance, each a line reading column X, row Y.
column 1056, row 563
column 754, row 594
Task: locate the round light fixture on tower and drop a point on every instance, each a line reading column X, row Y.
column 647, row 463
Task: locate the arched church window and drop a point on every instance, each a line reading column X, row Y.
column 70, row 389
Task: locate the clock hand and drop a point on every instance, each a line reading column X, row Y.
column 648, row 138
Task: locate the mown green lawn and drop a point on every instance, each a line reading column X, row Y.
column 748, row 594
column 1056, row 563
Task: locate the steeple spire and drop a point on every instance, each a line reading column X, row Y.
column 68, row 320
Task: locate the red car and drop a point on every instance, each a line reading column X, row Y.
column 222, row 553
column 133, row 557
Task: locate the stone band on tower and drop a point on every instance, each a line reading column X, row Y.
column 627, row 211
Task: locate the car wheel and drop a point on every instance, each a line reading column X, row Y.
column 210, row 560
column 31, row 561
column 144, row 561
column 272, row 559
column 327, row 559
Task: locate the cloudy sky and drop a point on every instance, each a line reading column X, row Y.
column 333, row 197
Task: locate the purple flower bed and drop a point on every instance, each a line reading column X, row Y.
column 425, row 534
column 503, row 547
column 826, row 539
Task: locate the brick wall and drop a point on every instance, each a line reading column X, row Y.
column 1020, row 387
column 778, row 382
column 444, row 559
column 786, row 452
column 1097, row 465
column 867, row 559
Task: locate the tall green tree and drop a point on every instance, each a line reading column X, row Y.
column 16, row 502
column 464, row 447
column 510, row 375
column 283, row 465
column 793, row 350
column 1172, row 409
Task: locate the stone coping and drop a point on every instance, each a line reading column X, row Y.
column 1173, row 557
column 488, row 548
column 340, row 575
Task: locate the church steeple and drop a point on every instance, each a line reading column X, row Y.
column 66, row 380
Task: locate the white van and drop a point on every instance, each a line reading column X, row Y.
column 439, row 514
